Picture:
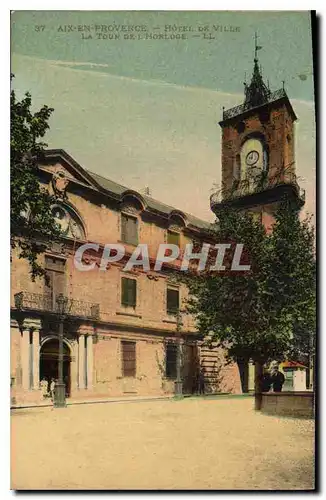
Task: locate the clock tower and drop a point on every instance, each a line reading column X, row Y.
column 258, row 162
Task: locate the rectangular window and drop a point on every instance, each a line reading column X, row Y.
column 128, row 292
column 129, row 229
column 171, row 361
column 172, row 300
column 30, row 360
column 173, row 238
column 128, row 358
column 55, row 271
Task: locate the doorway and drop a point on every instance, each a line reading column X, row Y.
column 190, row 371
column 49, row 363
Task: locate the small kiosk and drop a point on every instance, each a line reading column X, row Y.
column 295, row 376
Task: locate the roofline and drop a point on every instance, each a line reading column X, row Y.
column 48, row 153
column 250, row 111
column 87, row 174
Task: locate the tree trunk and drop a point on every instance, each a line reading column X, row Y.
column 258, row 384
column 243, row 367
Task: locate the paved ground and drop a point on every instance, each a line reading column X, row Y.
column 188, row 444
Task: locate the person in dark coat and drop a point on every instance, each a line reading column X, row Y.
column 201, row 381
column 266, row 382
column 277, row 379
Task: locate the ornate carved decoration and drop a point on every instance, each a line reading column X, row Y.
column 70, row 227
column 59, row 184
column 32, row 324
column 175, row 227
column 57, row 248
column 152, row 277
column 130, row 209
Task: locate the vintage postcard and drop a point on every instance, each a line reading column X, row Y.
column 163, row 264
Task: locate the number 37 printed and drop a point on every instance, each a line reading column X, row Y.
column 39, row 28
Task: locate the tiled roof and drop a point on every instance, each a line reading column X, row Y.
column 292, row 364
column 117, row 190
column 153, row 204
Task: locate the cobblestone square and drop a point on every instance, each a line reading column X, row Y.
column 194, row 443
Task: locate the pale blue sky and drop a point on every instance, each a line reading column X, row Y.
column 144, row 112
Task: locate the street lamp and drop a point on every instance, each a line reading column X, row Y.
column 178, row 381
column 59, row 399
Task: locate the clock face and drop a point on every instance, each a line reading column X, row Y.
column 252, row 158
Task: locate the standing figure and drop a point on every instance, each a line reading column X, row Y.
column 201, row 381
column 66, row 381
column 267, row 382
column 52, row 386
column 277, row 379
column 44, row 387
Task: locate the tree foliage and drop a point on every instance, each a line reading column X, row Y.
column 258, row 315
column 292, row 277
column 32, row 223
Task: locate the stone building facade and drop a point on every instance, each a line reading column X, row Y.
column 121, row 328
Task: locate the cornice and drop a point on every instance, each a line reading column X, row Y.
column 92, row 186
column 33, row 318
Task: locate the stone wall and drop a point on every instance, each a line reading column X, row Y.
column 292, row 404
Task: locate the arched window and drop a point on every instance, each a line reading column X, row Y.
column 70, row 224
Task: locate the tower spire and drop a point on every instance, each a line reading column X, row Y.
column 256, row 93
column 256, row 45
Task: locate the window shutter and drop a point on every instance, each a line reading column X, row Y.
column 172, row 300
column 55, row 270
column 124, row 291
column 59, row 283
column 129, row 229
column 171, row 361
column 133, row 231
column 173, row 238
column 49, row 285
column 128, row 292
column 128, row 358
column 132, row 293
column 124, row 221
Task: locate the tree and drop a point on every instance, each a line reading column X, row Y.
column 254, row 314
column 32, row 222
column 293, row 273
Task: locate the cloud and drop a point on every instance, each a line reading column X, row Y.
column 86, row 67
column 77, row 63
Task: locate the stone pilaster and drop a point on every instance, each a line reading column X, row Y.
column 81, row 361
column 89, row 340
column 15, row 357
column 24, row 349
column 36, row 359
column 30, row 357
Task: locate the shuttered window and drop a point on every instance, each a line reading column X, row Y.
column 55, row 271
column 128, row 358
column 172, row 300
column 173, row 238
column 129, row 229
column 128, row 292
column 171, row 361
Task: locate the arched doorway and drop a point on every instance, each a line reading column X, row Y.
column 49, row 359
